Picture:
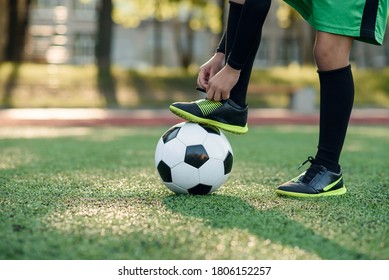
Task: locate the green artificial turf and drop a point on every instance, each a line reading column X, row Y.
column 94, row 193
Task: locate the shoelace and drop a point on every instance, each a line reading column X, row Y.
column 312, row 171
column 310, row 159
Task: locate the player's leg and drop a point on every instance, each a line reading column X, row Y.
column 324, row 176
column 241, row 42
column 360, row 20
column 336, row 95
column 243, row 47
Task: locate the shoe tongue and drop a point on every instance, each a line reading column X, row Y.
column 311, row 172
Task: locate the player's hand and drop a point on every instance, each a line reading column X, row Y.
column 209, row 69
column 219, row 87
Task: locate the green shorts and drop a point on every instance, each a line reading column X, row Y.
column 365, row 20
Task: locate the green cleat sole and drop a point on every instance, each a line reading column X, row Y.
column 192, row 118
column 339, row 191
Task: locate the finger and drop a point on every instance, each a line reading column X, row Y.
column 202, row 80
column 199, row 83
column 210, row 94
column 225, row 95
column 203, row 86
column 217, row 96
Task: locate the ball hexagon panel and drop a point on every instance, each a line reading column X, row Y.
column 226, row 141
column 173, row 152
column 216, row 147
column 211, row 172
column 196, row 155
column 185, row 176
column 192, row 134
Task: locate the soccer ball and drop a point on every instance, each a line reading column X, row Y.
column 193, row 158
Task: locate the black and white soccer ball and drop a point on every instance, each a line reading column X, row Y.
column 193, row 158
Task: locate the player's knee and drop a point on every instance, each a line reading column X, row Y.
column 332, row 51
column 330, row 57
column 322, row 53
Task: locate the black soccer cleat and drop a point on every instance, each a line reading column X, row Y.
column 225, row 114
column 316, row 181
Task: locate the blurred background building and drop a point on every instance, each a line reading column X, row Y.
column 64, row 31
column 56, row 53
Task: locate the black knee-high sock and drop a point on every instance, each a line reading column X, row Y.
column 243, row 47
column 336, row 102
column 241, row 41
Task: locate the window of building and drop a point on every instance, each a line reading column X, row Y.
column 40, row 45
column 84, row 48
column 85, row 9
column 288, row 52
column 48, row 3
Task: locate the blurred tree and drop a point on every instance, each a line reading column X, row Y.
column 195, row 15
column 106, row 82
column 3, row 28
column 186, row 16
column 18, row 20
column 157, row 23
column 14, row 20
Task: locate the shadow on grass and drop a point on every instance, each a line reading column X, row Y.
column 227, row 212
